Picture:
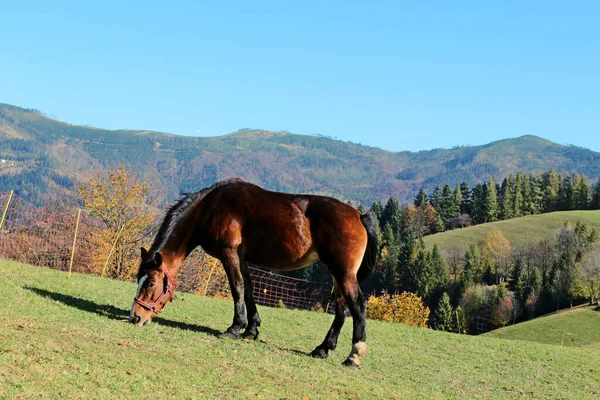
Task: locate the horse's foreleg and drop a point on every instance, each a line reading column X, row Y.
column 357, row 304
column 330, row 342
column 253, row 317
column 231, row 263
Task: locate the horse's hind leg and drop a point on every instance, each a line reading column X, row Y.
column 357, row 304
column 231, row 263
column 253, row 317
column 330, row 342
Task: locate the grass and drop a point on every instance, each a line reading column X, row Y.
column 68, row 338
column 578, row 327
column 519, row 231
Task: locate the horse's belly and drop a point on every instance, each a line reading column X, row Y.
column 283, row 262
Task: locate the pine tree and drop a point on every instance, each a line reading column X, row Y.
column 519, row 196
column 596, row 198
column 551, row 186
column 581, row 192
column 444, row 319
column 391, row 216
column 445, row 209
column 478, row 204
column 526, row 193
column 565, row 193
column 490, row 202
column 421, row 199
column 456, row 200
column 537, row 195
column 465, row 204
column 506, row 200
column 436, row 198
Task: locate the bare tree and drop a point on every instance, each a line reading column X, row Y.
column 590, row 272
column 455, row 257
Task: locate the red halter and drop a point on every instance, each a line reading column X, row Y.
column 167, row 289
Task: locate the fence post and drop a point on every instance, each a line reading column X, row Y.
column 111, row 250
column 74, row 240
column 208, row 280
column 6, row 208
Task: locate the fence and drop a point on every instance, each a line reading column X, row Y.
column 65, row 241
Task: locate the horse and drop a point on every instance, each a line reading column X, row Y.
column 241, row 223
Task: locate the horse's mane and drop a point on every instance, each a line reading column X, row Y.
column 179, row 209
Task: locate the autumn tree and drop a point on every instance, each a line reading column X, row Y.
column 121, row 201
column 590, row 273
column 497, row 247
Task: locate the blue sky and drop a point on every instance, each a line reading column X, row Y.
column 397, row 75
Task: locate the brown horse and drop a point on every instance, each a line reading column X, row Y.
column 240, row 223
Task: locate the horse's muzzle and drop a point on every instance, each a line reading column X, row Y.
column 134, row 319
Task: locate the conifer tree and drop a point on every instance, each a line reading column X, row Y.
column 490, row 202
column 465, row 204
column 506, row 200
column 551, row 186
column 421, row 199
column 596, row 198
column 519, row 196
column 444, row 319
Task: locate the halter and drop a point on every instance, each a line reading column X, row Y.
column 167, row 289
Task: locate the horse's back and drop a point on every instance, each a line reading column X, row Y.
column 280, row 230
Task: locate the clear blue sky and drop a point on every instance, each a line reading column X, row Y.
column 397, row 75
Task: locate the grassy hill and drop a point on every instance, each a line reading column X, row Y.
column 519, row 231
column 68, row 338
column 45, row 155
column 579, row 327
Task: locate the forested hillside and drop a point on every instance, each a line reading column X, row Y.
column 44, row 157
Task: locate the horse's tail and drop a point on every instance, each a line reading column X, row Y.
column 370, row 257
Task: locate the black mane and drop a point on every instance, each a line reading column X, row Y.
column 177, row 211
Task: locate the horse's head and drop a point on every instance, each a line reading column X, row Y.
column 155, row 289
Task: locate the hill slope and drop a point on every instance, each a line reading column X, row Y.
column 47, row 154
column 68, row 338
column 519, row 231
column 577, row 327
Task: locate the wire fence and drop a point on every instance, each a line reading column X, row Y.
column 68, row 242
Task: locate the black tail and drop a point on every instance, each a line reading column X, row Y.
column 370, row 257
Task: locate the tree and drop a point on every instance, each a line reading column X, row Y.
column 391, row 216
column 444, row 318
column 503, row 312
column 590, row 273
column 497, row 247
column 595, row 205
column 490, row 202
column 506, row 199
column 455, row 258
column 421, row 199
column 551, row 184
column 121, row 201
column 465, row 204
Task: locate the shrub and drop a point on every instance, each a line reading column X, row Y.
column 406, row 308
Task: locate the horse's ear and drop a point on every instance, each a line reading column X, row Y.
column 158, row 259
column 144, row 253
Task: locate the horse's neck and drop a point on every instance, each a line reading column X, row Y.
column 177, row 248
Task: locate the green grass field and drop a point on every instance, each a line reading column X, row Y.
column 579, row 327
column 519, row 231
column 61, row 338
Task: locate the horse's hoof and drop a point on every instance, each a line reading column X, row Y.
column 228, row 335
column 250, row 334
column 319, row 352
column 351, row 362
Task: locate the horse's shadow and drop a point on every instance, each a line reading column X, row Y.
column 115, row 313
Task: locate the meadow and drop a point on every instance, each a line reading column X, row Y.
column 69, row 338
column 519, row 231
column 578, row 327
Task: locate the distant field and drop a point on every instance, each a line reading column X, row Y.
column 579, row 327
column 61, row 338
column 519, row 231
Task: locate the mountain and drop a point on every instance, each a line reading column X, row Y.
column 42, row 155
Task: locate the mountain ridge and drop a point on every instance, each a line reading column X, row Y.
column 276, row 160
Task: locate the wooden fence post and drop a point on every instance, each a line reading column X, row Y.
column 208, row 280
column 111, row 250
column 74, row 241
column 6, row 208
